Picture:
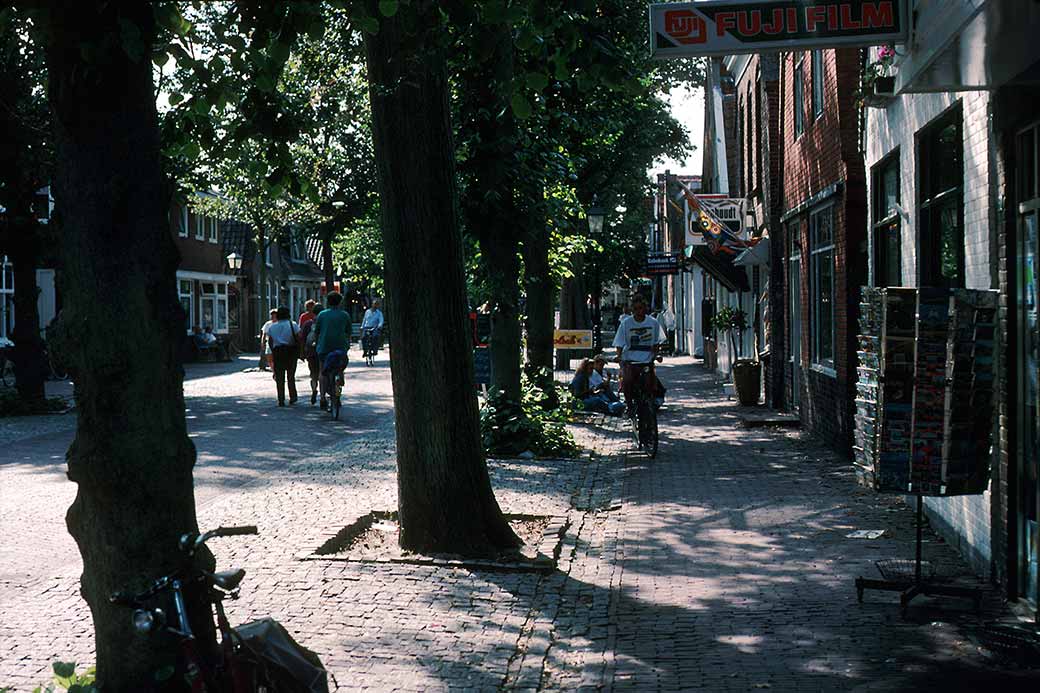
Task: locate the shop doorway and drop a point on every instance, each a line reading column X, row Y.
column 794, row 337
column 1028, row 362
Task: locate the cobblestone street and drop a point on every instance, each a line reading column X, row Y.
column 722, row 565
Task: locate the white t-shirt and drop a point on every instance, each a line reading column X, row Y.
column 282, row 333
column 595, row 379
column 638, row 338
column 263, row 331
column 667, row 319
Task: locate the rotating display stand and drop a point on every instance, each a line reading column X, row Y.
column 924, row 409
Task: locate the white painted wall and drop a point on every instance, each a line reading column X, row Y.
column 964, row 520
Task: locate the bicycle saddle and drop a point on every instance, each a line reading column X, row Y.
column 228, row 580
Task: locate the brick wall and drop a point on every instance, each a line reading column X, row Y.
column 825, row 157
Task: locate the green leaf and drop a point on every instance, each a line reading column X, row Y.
column 537, row 81
column 521, row 107
column 165, row 673
column 370, row 25
column 388, row 8
column 64, row 669
column 175, row 98
column 159, row 58
column 191, row 150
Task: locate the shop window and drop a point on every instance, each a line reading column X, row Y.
column 186, row 294
column 817, row 83
column 821, row 258
column 213, row 302
column 940, row 211
column 887, row 225
column 799, row 98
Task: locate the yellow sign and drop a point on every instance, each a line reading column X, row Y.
column 572, row 339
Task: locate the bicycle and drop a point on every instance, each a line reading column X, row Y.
column 254, row 657
column 370, row 338
column 642, row 410
column 332, row 376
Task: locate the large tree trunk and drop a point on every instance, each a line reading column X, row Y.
column 30, row 365
column 490, row 204
column 131, row 459
column 444, row 491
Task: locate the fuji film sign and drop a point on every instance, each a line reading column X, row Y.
column 732, row 27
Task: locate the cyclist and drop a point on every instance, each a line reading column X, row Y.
column 371, row 328
column 332, row 330
column 637, row 340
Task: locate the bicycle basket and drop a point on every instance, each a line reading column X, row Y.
column 290, row 667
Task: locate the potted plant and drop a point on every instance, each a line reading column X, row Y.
column 747, row 373
column 878, row 83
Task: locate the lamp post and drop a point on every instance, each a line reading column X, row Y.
column 596, row 216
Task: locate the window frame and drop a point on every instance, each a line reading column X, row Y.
column 817, row 94
column 190, row 295
column 268, row 254
column 883, row 219
column 216, row 297
column 794, row 265
column 798, row 99
column 182, row 227
column 200, row 227
column 931, row 203
column 818, row 251
column 214, row 232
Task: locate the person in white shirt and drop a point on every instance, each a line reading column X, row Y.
column 637, row 340
column 265, row 345
column 667, row 319
column 283, row 336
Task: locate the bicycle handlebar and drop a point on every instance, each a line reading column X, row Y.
column 233, row 531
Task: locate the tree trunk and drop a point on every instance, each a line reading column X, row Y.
column 131, row 458
column 30, row 365
column 574, row 310
column 490, row 204
column 445, row 499
column 326, row 259
column 541, row 297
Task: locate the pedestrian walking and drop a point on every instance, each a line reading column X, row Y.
column 265, row 344
column 283, row 336
column 332, row 334
column 310, row 351
column 308, row 313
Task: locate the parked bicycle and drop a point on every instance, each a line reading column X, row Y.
column 259, row 656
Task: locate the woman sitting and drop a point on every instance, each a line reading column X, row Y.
column 589, row 386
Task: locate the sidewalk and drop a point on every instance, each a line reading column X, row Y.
column 721, row 565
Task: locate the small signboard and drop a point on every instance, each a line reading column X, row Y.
column 732, row 27
column 482, row 365
column 659, row 264
column 572, row 339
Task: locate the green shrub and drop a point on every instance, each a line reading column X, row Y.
column 510, row 428
column 66, row 679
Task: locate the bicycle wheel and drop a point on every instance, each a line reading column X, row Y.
column 648, row 429
column 335, row 402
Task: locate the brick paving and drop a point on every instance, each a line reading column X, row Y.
column 721, row 565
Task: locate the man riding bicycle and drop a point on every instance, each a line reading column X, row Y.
column 332, row 330
column 637, row 340
column 371, row 329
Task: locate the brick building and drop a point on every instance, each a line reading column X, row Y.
column 823, row 237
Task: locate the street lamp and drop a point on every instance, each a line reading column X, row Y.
column 234, row 261
column 596, row 215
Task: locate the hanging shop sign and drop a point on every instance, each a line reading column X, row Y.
column 482, row 365
column 572, row 339
column 660, row 264
column 732, row 27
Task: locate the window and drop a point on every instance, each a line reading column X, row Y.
column 821, row 258
column 758, row 130
column 887, row 227
column 200, row 227
column 817, row 84
column 182, row 226
column 296, row 250
column 794, row 288
column 267, row 255
column 799, row 98
column 940, row 172
column 213, row 224
column 740, row 137
column 186, row 293
column 213, row 301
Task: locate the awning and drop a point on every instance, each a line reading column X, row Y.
column 721, row 267
column 757, row 254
